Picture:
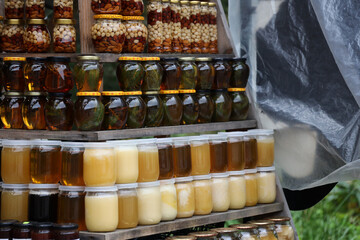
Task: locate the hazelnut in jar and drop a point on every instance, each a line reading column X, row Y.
column 205, row 29
column 167, row 26
column 37, row 36
column 213, row 46
column 14, row 9
column 108, row 33
column 155, row 26
column 176, row 26
column 185, row 27
column 63, row 9
column 136, row 34
column 195, row 26
column 12, row 36
column 106, row 6
column 35, row 9
column 132, row 7
column 64, row 36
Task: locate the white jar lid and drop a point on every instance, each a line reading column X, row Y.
column 101, row 189
column 216, row 137
column 146, row 141
column 71, row 188
column 72, row 144
column 266, row 169
column 117, row 143
column 15, row 143
column 220, row 175
column 250, row 171
column 43, row 186
column 97, row 145
column 184, row 179
column 236, row 173
column 15, row 186
column 198, row 138
column 233, row 134
column 149, row 184
column 165, row 140
column 45, row 143
column 261, row 131
column 167, row 181
column 202, row 177
column 127, row 186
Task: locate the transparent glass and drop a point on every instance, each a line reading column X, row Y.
column 168, row 200
column 14, row 9
column 173, row 109
column 250, row 152
column 13, row 76
column 132, row 7
column 190, row 108
column 172, row 74
column 58, row 76
column 12, row 38
column 14, row 203
column 127, row 162
column 213, row 46
column 89, row 113
column 196, row 28
column 206, row 75
column 33, row 112
column 130, row 75
column 153, row 76
column 186, row 199
column 220, row 194
column 149, row 169
column 137, row 111
column 240, row 74
column 185, row 27
column 206, row 107
column 284, row 230
column 88, row 75
column 136, row 35
column 237, row 189
column 203, row 196
column 35, row 9
column 59, row 112
column 64, row 9
column 218, row 155
column 189, row 74
column 182, row 158
column 223, row 106
column 240, row 106
column 128, row 208
column 155, row 26
column 15, row 164
column 116, row 112
column 205, row 27
column 166, row 162
column 155, row 110
column 176, row 27
column 251, row 189
column 72, row 161
column 149, row 204
column 43, row 205
column 235, row 153
column 35, row 74
column 37, row 38
column 200, row 157
column 106, row 6
column 64, row 38
column 266, row 184
column 223, row 72
column 10, row 112
column 167, row 27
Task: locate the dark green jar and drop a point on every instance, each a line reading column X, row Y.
column 89, row 111
column 153, row 74
column 240, row 104
column 173, row 108
column 116, row 110
column 206, row 73
column 137, row 109
column 155, row 109
column 189, row 73
column 223, row 106
column 130, row 73
column 206, row 106
column 240, row 73
column 190, row 106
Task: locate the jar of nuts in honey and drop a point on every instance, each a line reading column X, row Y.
column 63, row 9
column 10, row 110
column 12, row 36
column 185, row 27
column 37, row 37
column 33, row 111
column 35, row 9
column 155, row 26
column 132, row 7
column 13, row 74
column 136, row 34
column 195, row 26
column 167, row 27
column 106, row 6
column 64, row 36
column 176, row 26
column 14, row 9
column 108, row 33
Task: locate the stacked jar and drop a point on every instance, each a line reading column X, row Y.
column 186, row 39
column 155, row 26
column 176, row 26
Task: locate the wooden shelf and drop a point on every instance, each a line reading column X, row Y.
column 185, row 223
column 123, row 134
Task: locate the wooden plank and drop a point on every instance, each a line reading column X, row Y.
column 123, row 134
column 225, row 42
column 184, row 223
column 86, row 22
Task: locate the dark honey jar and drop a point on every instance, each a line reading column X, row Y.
column 116, row 110
column 33, row 111
column 89, row 111
column 173, row 108
column 58, row 75
column 10, row 110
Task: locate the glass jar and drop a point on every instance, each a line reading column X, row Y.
column 35, row 74
column 43, row 201
column 190, row 106
column 1, row 29
column 10, row 110
column 266, row 229
column 167, row 27
column 168, row 200
column 189, row 73
column 283, row 228
column 58, row 75
column 6, row 228
column 132, row 7
column 63, row 9
column 59, row 112
column 218, row 153
column 89, row 111
column 14, row 9
column 171, row 74
column 37, row 37
column 223, row 106
column 35, row 9
column 251, row 187
column 265, row 147
column 72, row 161
column 185, row 27
column 155, row 109
column 247, row 231
column 173, row 108
column 208, row 235
column 41, row 230
column 127, row 161
column 220, row 192
column 108, row 33
column 137, row 109
column 101, row 209
column 176, row 26
column 106, row 6
column 213, row 46
column 149, row 203
column 203, row 195
column 166, row 162
column 223, row 72
column 116, row 110
column 155, row 26
column 71, row 206
column 235, row 150
column 240, row 104
column 136, row 33
column 206, row 106
column 45, row 162
column 153, row 74
column 88, row 73
column 149, row 169
column 99, row 165
column 205, row 27
column 15, row 162
column 13, row 74
column 33, row 111
column 266, row 182
column 237, row 189
column 130, row 73
column 206, row 74
column 21, row 230
column 182, row 157
column 200, row 155
column 226, row 233
column 65, row 231
column 14, row 202
column 185, row 197
column 12, row 36
column 240, row 74
column 128, row 206
column 250, row 150
column 64, row 36
column 195, row 26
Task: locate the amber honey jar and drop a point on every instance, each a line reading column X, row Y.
column 130, row 73
column 58, row 75
column 173, row 108
column 206, row 106
column 88, row 73
column 149, row 168
column 33, row 111
column 35, row 73
column 250, row 150
column 14, row 202
column 206, row 74
column 166, row 162
column 89, row 111
column 116, row 110
column 218, row 153
column 106, row 6
column 13, row 74
column 12, row 36
column 200, row 155
column 59, row 112
column 10, row 110
column 37, row 36
column 128, row 205
column 182, row 157
column 72, row 162
column 153, row 74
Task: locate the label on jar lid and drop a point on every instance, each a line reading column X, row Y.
column 137, row 18
column 131, row 93
column 187, row 91
column 130, row 58
column 108, row 16
column 236, row 89
column 112, row 93
column 169, row 92
column 97, row 94
column 15, row 59
column 150, row 59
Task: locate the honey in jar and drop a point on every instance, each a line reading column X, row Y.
column 128, row 206
column 185, row 197
column 203, row 194
column 13, row 73
column 10, row 110
column 220, row 192
column 265, row 146
column 72, row 160
column 59, row 112
column 182, row 157
column 166, row 162
column 35, row 73
column 250, row 151
column 14, row 202
column 127, row 161
column 33, row 111
column 149, row 169
column 43, row 201
column 266, row 181
column 235, row 151
column 58, row 75
column 200, row 155
column 237, row 189
column 168, row 200
column 251, row 187
column 149, row 203
column 218, row 153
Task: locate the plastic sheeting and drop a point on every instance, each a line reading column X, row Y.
column 304, row 57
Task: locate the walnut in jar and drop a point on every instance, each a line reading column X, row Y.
column 14, row 9
column 108, row 33
column 176, row 26
column 35, row 9
column 167, row 27
column 12, row 36
column 155, row 26
column 136, row 34
column 185, row 27
column 63, row 9
column 64, row 36
column 195, row 24
column 37, row 36
column 106, row 6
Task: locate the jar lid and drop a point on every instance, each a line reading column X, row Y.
column 279, row 219
column 59, row 59
column 236, row 173
column 43, row 186
column 42, row 142
column 187, row 59
column 145, row 141
column 68, row 95
column 169, row 59
column 15, row 143
column 129, row 58
column 174, row 1
column 244, row 226
column 65, row 21
column 204, row 3
column 224, row 230
column 101, row 189
column 108, row 16
column 198, row 138
column 203, row 59
column 262, row 222
column 72, row 144
column 216, row 137
column 65, row 226
column 150, row 59
column 15, row 186
column 22, row 225
column 261, row 131
column 236, row 89
column 35, row 94
column 151, row 92
column 180, row 140
column 137, row 18
column 204, row 234
column 169, row 92
column 184, row 179
column 112, row 93
column 232, row 134
column 165, row 1
column 149, row 184
column 211, row 4
column 97, row 145
column 167, row 181
column 132, row 93
column 194, row 2
column 165, row 140
column 36, row 22
column 182, row 91
column 266, row 169
column 84, row 94
column 184, row 2
column 36, row 59
column 42, row 225
column 14, row 21
column 220, row 175
column 16, row 59
column 88, row 58
column 118, row 143
column 6, row 223
column 202, row 177
column 71, row 188
column 181, row 238
column 250, row 171
column 127, row 186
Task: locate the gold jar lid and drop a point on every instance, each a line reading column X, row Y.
column 36, row 22
column 181, row 238
column 65, row 21
column 165, row 1
column 224, row 230
column 182, row 91
column 151, row 92
column 244, row 226
column 204, row 234
column 130, row 58
column 112, row 93
column 150, row 59
column 134, row 18
column 169, row 92
column 204, row 3
column 16, row 59
column 236, row 89
column 86, row 94
column 35, row 94
column 279, row 219
column 184, row 2
column 195, row 2
column 203, row 59
column 14, row 21
column 13, row 94
column 186, row 59
column 211, row 4
column 132, row 93
column 88, row 58
column 262, row 222
column 108, row 16
column 174, row 1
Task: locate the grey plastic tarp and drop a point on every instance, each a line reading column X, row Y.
column 305, row 83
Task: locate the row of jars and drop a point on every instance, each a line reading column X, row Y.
column 35, row 9
column 129, row 205
column 129, row 161
column 12, row 229
column 35, row 37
